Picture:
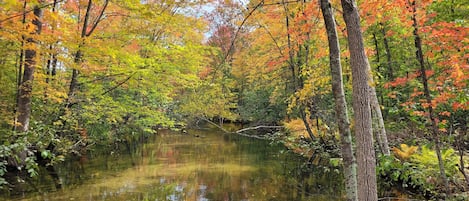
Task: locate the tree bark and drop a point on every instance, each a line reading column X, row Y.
column 378, row 120
column 19, row 79
column 366, row 161
column 428, row 98
column 26, row 87
column 381, row 136
column 350, row 170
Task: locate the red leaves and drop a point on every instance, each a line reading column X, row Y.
column 460, row 106
column 400, row 81
column 205, row 72
column 445, row 113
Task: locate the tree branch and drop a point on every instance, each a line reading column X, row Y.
column 98, row 19
column 236, row 34
column 240, row 132
column 257, row 127
column 280, row 3
column 28, row 11
column 119, row 84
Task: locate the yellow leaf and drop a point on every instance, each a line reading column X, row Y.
column 404, row 152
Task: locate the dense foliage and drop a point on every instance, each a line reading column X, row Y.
column 112, row 70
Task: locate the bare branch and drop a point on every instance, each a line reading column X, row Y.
column 119, row 84
column 258, row 127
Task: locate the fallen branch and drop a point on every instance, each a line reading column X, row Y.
column 257, row 127
column 240, row 132
column 211, row 122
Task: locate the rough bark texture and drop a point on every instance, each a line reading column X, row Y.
column 366, row 172
column 26, row 87
column 350, row 170
column 428, row 98
column 381, row 136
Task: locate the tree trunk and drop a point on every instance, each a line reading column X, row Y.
column 378, row 120
column 304, row 118
column 19, row 79
column 85, row 32
column 26, row 87
column 381, row 136
column 366, row 161
column 377, row 52
column 52, row 60
column 350, row 171
column 388, row 54
column 294, row 72
column 426, row 92
column 460, row 146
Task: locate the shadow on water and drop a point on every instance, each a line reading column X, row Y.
column 172, row 166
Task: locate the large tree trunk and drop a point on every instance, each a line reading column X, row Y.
column 26, row 87
column 350, row 170
column 426, row 93
column 366, row 162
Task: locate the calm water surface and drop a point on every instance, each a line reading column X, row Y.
column 171, row 166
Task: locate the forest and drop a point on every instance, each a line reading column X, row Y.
column 381, row 85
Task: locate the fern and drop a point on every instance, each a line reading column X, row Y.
column 427, row 160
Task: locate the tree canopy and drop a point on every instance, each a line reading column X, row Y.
column 78, row 72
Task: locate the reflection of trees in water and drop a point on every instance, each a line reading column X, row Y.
column 20, row 182
column 182, row 167
column 318, row 179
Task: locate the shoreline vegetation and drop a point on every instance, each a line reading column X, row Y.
column 375, row 86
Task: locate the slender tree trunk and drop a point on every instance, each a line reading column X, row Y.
column 294, row 71
column 377, row 52
column 85, row 32
column 78, row 58
column 19, row 79
column 366, row 161
column 460, row 147
column 381, row 136
column 26, row 87
column 350, row 170
column 388, row 54
column 52, row 60
column 426, row 92
column 463, row 138
column 378, row 120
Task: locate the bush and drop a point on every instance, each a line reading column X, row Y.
column 419, row 171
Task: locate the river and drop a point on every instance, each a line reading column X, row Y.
column 172, row 166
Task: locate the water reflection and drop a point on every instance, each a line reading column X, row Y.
column 171, row 166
